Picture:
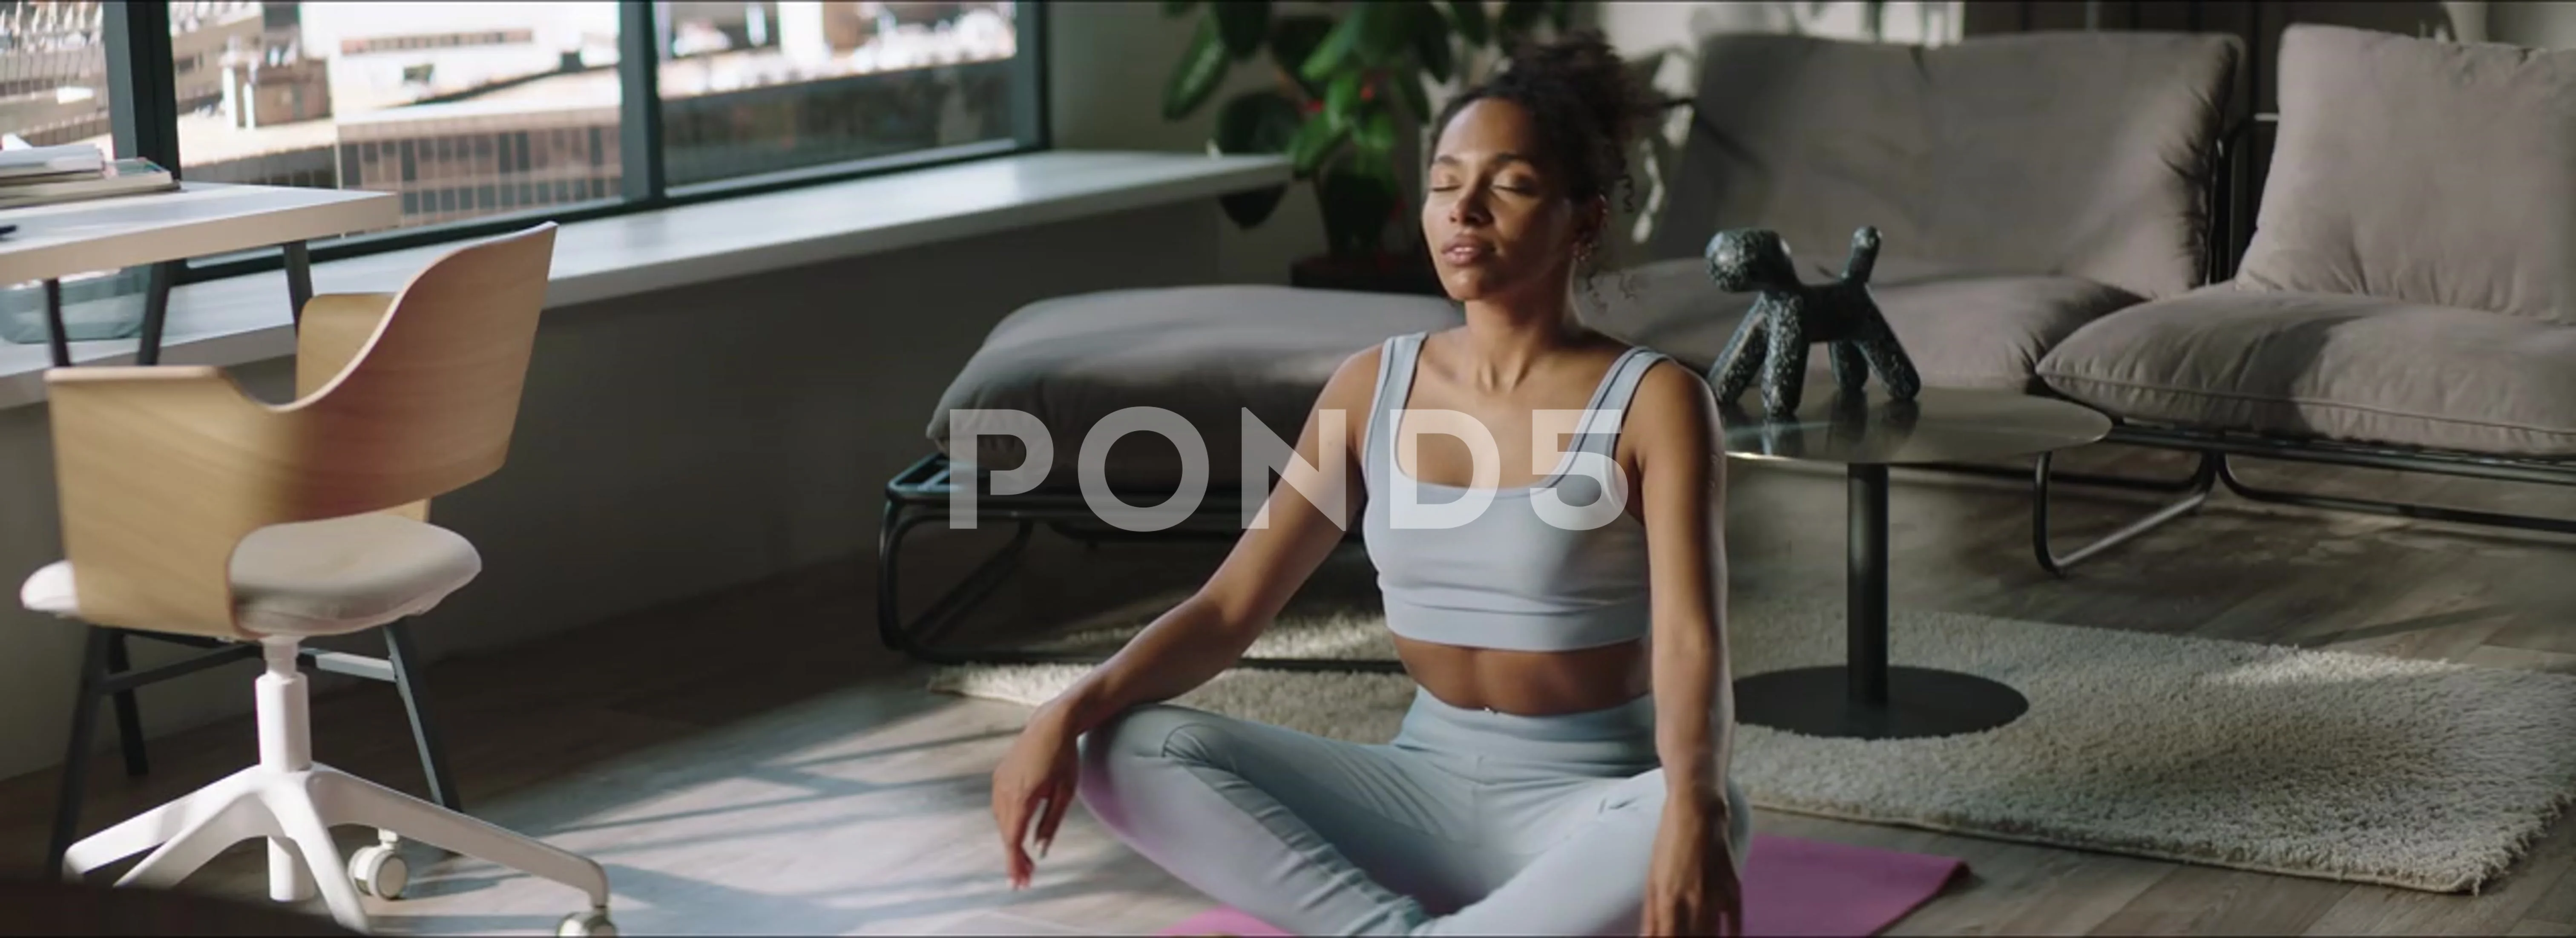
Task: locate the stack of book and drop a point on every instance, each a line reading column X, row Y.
column 71, row 173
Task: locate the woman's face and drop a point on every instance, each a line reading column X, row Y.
column 1498, row 223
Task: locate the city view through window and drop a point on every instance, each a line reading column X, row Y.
column 473, row 109
column 53, row 72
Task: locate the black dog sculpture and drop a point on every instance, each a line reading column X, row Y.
column 1789, row 315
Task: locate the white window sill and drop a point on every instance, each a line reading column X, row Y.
column 237, row 320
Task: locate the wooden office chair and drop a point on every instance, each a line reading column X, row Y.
column 189, row 507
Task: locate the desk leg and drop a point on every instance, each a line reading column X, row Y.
column 54, row 335
column 156, row 311
column 1866, row 697
column 299, row 279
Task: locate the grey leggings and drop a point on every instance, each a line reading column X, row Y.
column 1468, row 822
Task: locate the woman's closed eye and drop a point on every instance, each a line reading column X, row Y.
column 1515, row 187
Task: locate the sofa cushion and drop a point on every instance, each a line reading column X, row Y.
column 1207, row 353
column 2330, row 366
column 2058, row 154
column 1961, row 328
column 2436, row 172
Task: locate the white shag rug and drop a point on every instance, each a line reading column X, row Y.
column 2418, row 774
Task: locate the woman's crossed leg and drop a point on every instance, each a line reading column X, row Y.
column 1322, row 836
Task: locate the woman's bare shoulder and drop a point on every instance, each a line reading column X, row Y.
column 1674, row 409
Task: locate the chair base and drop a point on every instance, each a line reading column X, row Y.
column 108, row 672
column 293, row 802
column 295, row 810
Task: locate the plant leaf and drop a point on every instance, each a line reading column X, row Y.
column 1468, row 17
column 1343, row 98
column 1432, row 42
column 1242, row 24
column 1338, row 45
column 1200, row 70
column 1389, row 31
column 1373, row 133
column 1315, row 140
column 1519, row 16
column 1250, row 209
column 1408, row 86
column 1262, row 121
column 1293, row 39
column 1174, row 8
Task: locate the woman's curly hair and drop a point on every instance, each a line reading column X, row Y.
column 1587, row 105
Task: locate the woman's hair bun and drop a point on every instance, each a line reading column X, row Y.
column 1583, row 65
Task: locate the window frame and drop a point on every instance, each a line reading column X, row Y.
column 143, row 110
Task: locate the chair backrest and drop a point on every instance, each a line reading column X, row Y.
column 162, row 471
column 429, row 404
column 2081, row 154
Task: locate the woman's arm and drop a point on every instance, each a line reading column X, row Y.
column 1679, row 449
column 1208, row 632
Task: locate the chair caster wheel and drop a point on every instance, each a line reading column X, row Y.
column 592, row 923
column 379, row 871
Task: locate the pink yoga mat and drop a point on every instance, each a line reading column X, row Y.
column 1791, row 887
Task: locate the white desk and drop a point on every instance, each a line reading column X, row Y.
column 165, row 229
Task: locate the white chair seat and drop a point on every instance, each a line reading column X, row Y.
column 312, row 578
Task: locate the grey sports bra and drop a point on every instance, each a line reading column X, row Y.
column 1549, row 566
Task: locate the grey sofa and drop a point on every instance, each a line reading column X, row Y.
column 2407, row 301
column 2025, row 186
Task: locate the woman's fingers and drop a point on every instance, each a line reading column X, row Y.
column 1057, row 799
column 1011, row 818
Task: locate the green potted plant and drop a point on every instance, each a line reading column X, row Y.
column 1348, row 75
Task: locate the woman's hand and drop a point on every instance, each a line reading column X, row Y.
column 1691, row 887
column 1035, row 781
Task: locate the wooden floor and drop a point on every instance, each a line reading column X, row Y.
column 752, row 763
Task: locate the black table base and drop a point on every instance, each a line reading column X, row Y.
column 1866, row 698
column 156, row 304
column 1918, row 703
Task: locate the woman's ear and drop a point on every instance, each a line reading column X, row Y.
column 1592, row 227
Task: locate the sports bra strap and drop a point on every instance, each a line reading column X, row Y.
column 1394, row 384
column 1600, row 428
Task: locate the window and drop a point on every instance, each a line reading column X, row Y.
column 54, row 90
column 751, row 88
column 483, row 116
column 53, row 72
column 417, row 99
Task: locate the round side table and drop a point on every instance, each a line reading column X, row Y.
column 1867, row 697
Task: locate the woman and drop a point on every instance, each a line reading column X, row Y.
column 1564, row 765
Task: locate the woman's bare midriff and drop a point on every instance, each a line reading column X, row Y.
column 1529, row 683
